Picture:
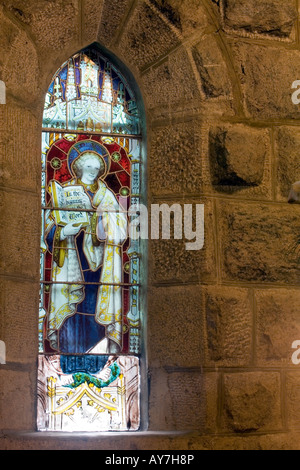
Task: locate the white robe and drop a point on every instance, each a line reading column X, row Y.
column 66, row 297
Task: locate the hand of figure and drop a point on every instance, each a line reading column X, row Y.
column 71, row 230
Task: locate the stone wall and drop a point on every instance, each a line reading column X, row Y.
column 216, row 78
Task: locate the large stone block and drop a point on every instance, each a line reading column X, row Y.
column 188, row 16
column 239, row 442
column 252, row 402
column 239, row 160
column 19, row 319
column 160, row 404
column 53, row 25
column 278, row 325
column 8, row 34
column 91, row 16
column 113, row 15
column 266, row 75
column 175, row 159
column 147, row 38
column 212, row 68
column 19, row 233
column 287, row 143
column 20, row 69
column 171, row 261
column 183, row 401
column 16, row 400
column 259, row 242
column 228, row 326
column 20, row 148
column 275, row 19
column 194, row 400
column 293, row 398
column 175, row 339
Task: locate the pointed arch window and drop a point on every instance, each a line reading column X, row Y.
column 90, row 314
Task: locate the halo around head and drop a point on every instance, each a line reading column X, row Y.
column 85, row 147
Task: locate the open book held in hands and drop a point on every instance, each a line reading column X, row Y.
column 66, row 198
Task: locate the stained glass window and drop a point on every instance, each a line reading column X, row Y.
column 89, row 317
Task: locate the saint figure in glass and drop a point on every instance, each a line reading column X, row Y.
column 85, row 230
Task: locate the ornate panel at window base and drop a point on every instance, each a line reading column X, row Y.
column 88, row 393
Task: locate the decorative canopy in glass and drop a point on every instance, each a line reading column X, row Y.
column 89, row 94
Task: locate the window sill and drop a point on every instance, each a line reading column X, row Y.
column 96, row 435
column 105, row 441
